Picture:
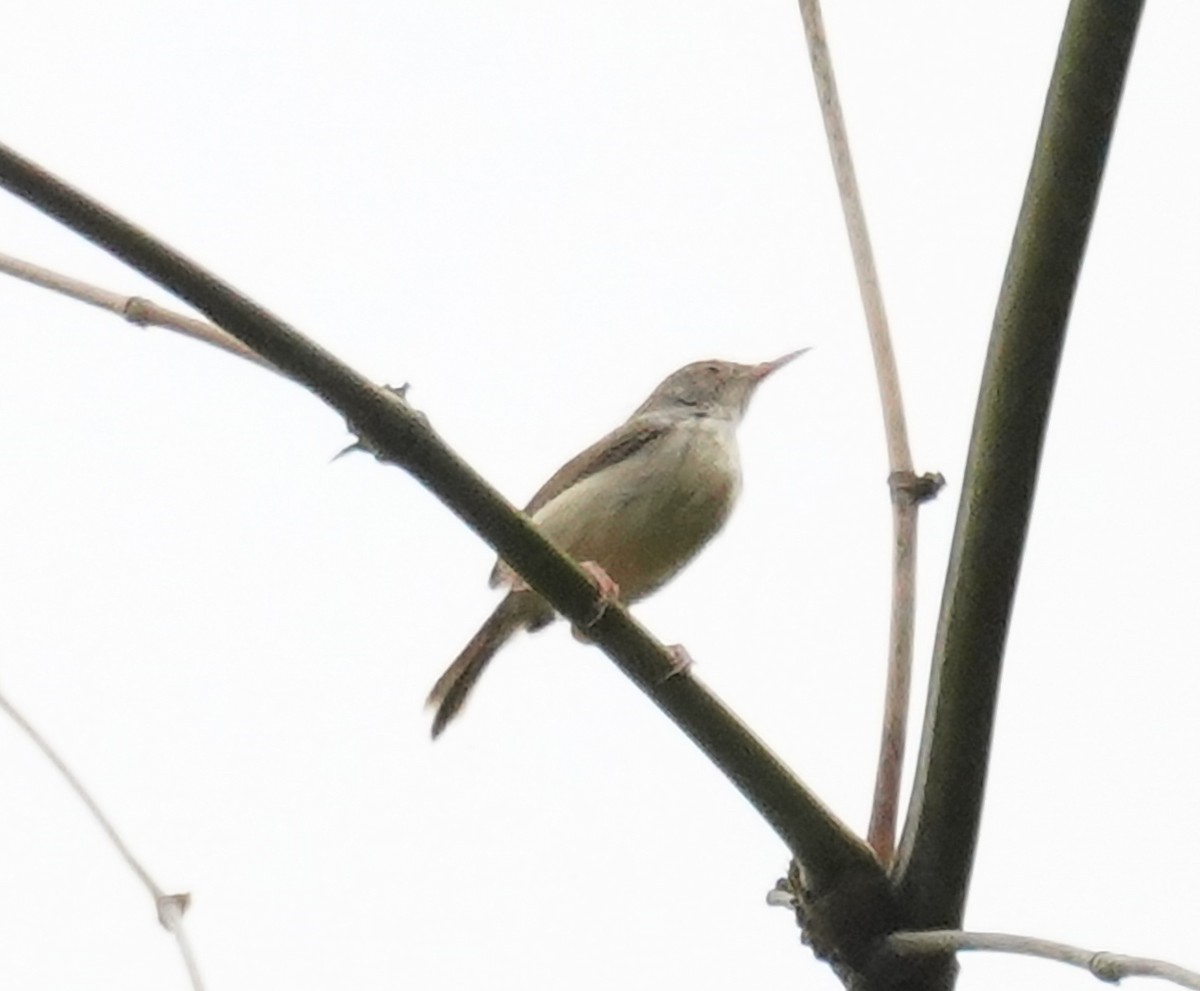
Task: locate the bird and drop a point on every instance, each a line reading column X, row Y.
column 632, row 509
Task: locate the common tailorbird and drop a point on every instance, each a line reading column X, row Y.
column 634, row 508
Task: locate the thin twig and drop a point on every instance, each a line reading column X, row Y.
column 136, row 309
column 881, row 834
column 170, row 908
column 1109, row 967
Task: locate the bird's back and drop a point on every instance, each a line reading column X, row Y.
column 643, row 518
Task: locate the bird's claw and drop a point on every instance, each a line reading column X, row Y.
column 609, row 591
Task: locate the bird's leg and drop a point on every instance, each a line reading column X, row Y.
column 609, row 591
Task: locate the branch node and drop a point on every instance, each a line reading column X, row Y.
column 845, row 924
column 138, row 310
column 1106, row 967
column 171, row 909
column 910, row 489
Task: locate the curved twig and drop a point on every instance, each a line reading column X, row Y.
column 171, row 907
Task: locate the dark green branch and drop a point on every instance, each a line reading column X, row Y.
column 939, row 840
column 829, row 851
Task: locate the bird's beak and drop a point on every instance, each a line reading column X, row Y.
column 767, row 367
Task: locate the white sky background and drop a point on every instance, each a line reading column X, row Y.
column 532, row 211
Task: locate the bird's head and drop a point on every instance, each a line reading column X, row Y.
column 714, row 388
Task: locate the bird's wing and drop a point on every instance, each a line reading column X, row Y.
column 614, row 447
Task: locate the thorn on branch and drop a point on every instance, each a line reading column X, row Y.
column 782, row 896
column 681, row 661
column 361, row 444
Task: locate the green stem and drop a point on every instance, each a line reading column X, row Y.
column 938, row 846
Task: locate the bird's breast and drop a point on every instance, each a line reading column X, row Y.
column 645, row 517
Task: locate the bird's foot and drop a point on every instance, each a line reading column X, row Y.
column 681, row 661
column 609, row 591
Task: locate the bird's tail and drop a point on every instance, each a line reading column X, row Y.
column 452, row 688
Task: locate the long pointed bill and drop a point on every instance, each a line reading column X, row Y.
column 767, row 367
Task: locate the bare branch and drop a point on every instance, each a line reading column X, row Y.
column 1108, row 967
column 135, row 309
column 881, row 834
column 170, row 908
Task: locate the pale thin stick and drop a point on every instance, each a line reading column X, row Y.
column 907, row 490
column 1109, row 967
column 135, row 309
column 170, row 908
